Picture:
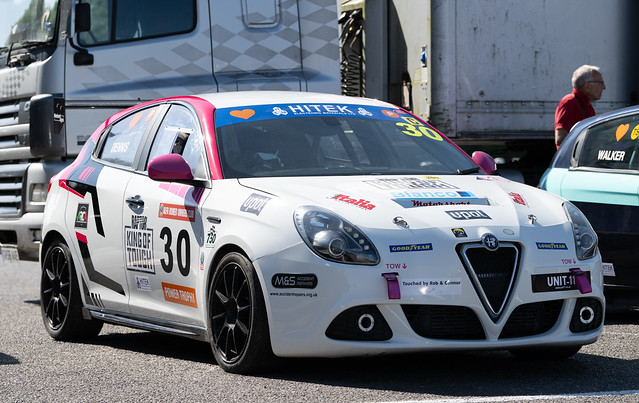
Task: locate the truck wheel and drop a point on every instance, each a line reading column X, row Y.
column 60, row 299
column 238, row 326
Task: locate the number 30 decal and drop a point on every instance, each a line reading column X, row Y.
column 183, row 246
column 416, row 128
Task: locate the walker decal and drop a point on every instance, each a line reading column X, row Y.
column 138, row 240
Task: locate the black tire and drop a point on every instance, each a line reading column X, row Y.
column 60, row 299
column 549, row 353
column 238, row 326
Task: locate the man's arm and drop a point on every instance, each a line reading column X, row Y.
column 560, row 135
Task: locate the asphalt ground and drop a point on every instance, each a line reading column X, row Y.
column 128, row 365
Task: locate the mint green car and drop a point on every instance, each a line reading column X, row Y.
column 597, row 168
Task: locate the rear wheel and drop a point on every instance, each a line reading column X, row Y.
column 60, row 299
column 237, row 317
column 549, row 353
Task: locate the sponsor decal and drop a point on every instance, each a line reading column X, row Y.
column 635, row 133
column 138, row 241
column 409, row 183
column 552, row 245
column 201, row 260
column 610, row 155
column 289, row 280
column 415, row 247
column 555, row 282
column 468, row 215
column 431, row 286
column 142, row 283
column 508, row 231
column 242, row 114
column 179, row 294
column 459, row 233
column 517, row 198
column 81, row 216
column 391, row 114
column 177, row 212
column 608, row 268
column 211, row 235
column 621, row 131
column 365, row 204
column 254, row 204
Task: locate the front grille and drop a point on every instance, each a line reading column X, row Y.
column 444, row 322
column 492, row 272
column 11, row 191
column 532, row 319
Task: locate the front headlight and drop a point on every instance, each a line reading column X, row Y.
column 333, row 238
column 585, row 236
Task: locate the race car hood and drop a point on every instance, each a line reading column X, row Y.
column 419, row 201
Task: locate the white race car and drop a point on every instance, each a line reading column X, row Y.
column 310, row 225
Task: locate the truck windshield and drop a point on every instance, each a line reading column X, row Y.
column 27, row 21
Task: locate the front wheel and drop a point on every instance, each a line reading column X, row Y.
column 238, row 326
column 60, row 299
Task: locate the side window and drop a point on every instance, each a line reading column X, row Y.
column 179, row 134
column 122, row 141
column 126, row 20
column 612, row 145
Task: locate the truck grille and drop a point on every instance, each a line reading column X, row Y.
column 11, row 178
column 492, row 273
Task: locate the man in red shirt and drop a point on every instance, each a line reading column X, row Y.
column 587, row 84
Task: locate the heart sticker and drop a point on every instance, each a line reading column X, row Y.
column 622, row 130
column 243, row 114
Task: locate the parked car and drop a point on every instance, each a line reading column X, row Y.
column 310, row 225
column 597, row 169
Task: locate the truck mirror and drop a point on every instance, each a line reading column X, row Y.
column 82, row 17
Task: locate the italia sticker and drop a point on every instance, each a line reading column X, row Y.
column 82, row 216
column 179, row 294
column 177, row 212
column 552, row 246
column 138, row 241
column 361, row 203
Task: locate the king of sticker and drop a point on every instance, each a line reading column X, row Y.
column 138, row 241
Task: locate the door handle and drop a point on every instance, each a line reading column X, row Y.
column 135, row 200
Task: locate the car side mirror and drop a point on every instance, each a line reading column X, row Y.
column 485, row 162
column 170, row 167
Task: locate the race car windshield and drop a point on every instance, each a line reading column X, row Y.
column 323, row 140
